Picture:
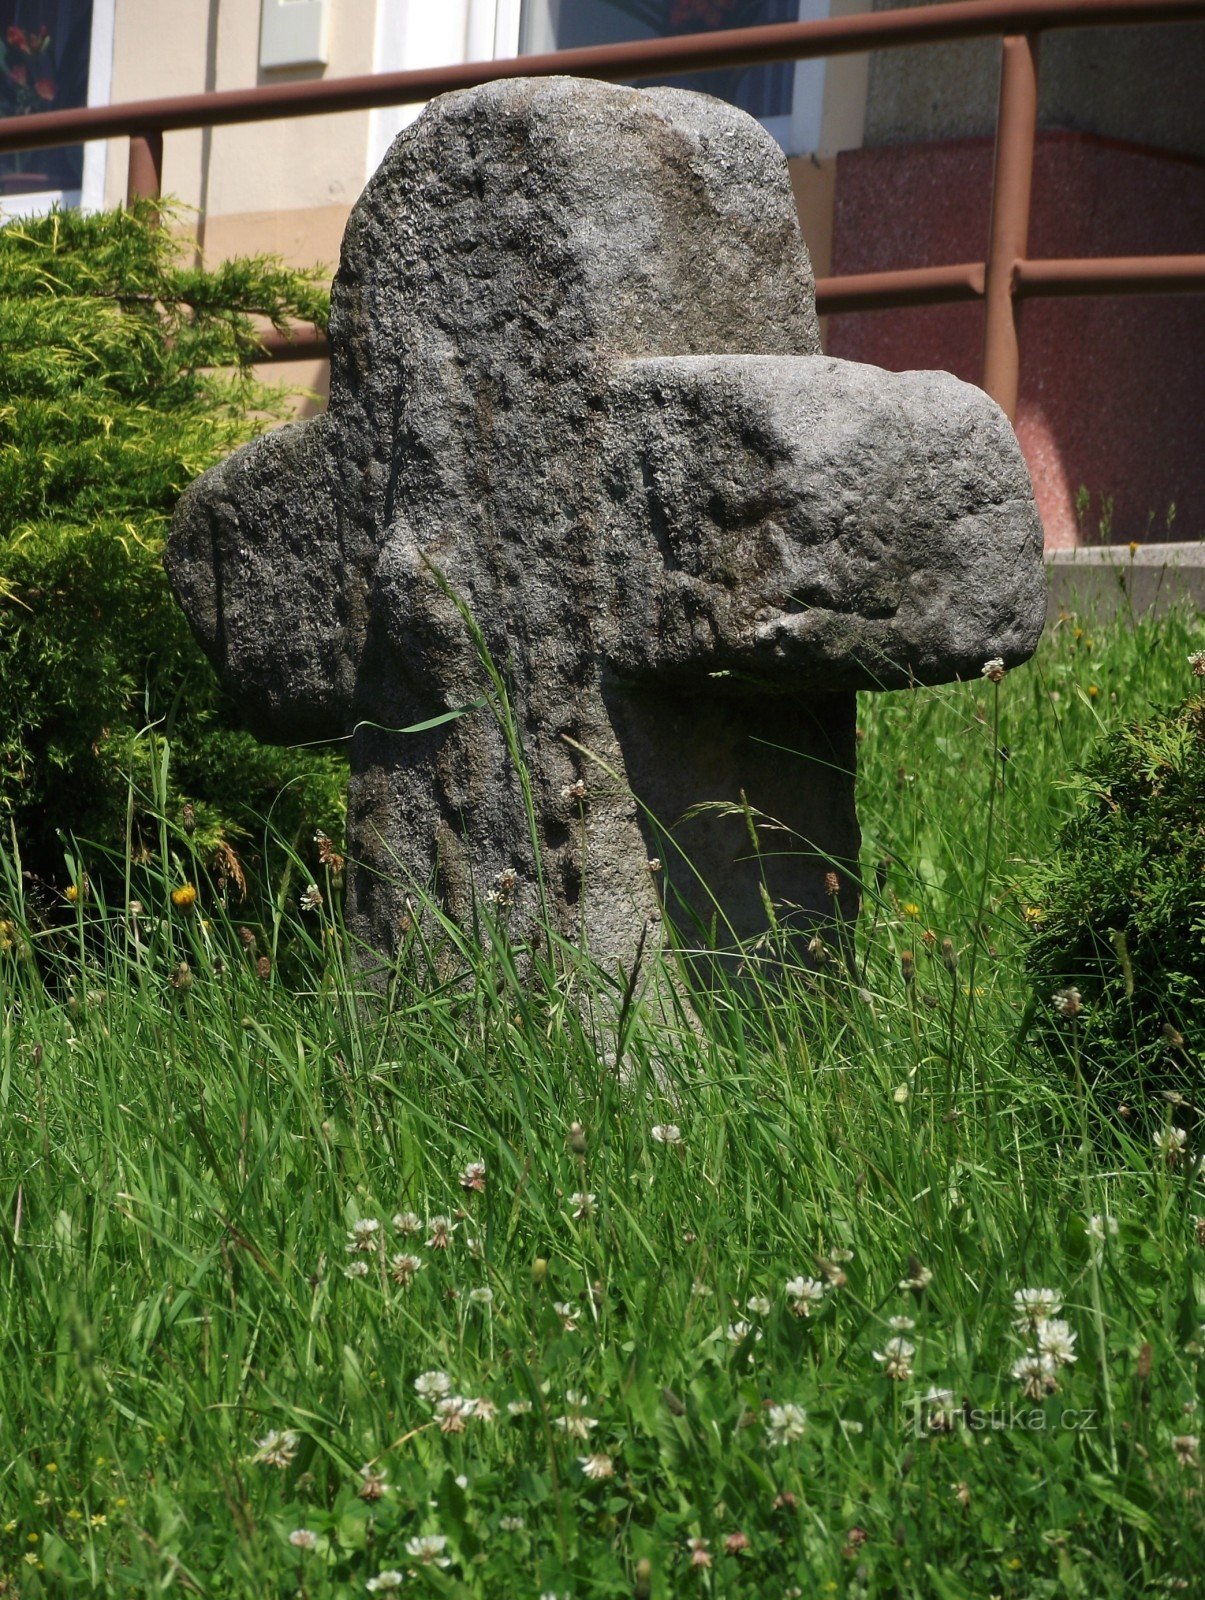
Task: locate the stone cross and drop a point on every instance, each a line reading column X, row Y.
column 583, row 462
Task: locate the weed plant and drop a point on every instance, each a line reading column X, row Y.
column 831, row 1293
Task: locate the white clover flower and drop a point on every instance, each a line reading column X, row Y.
column 1186, row 1445
column 511, row 1524
column 1197, row 662
column 919, row 1278
column 1171, row 1143
column 484, row 1409
column 1067, row 1002
column 700, row 1552
column 738, row 1332
column 597, row 1466
column 403, row 1267
column 896, row 1357
column 1057, row 1341
column 441, row 1230
column 1035, row 1305
column 758, row 1304
column 583, row 1204
column 429, row 1549
column 276, row 1449
column 939, row 1417
column 364, row 1235
column 432, row 1385
column 567, row 1312
column 901, row 1324
column 1102, row 1226
column 785, row 1423
column 575, row 1426
column 518, row 1408
column 700, row 1290
column 667, row 1133
column 482, row 1295
column 408, row 1223
column 453, row 1412
column 357, row 1269
column 993, row 670
column 386, row 1581
column 311, row 897
column 1037, row 1374
column 303, row 1539
column 804, row 1293
column 472, row 1178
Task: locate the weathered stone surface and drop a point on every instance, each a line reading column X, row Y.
column 576, row 397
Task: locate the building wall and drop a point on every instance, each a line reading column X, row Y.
column 1138, row 84
column 283, row 186
column 287, row 187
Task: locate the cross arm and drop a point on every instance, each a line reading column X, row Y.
column 255, row 558
column 813, row 523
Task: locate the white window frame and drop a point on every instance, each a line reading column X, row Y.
column 419, row 33
column 799, row 130
column 90, row 196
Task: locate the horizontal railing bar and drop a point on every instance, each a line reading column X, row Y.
column 786, row 41
column 912, row 286
column 1110, row 275
column 305, row 345
column 926, row 286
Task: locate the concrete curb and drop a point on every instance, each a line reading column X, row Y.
column 1119, row 578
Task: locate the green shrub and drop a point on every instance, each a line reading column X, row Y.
column 125, row 374
column 1120, row 914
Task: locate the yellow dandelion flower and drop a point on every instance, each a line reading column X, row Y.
column 184, row 896
column 71, row 892
column 1034, row 914
column 75, row 1514
column 1093, row 691
column 910, row 908
column 98, row 1520
column 52, row 1466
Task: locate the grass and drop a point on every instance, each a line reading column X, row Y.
column 206, row 1346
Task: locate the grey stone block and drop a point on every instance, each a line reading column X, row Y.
column 579, row 428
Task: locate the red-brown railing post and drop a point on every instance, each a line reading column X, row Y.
column 1012, row 180
column 145, row 175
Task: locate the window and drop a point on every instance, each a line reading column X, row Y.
column 784, row 96
column 54, row 54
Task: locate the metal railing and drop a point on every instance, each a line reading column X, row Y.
column 1002, row 281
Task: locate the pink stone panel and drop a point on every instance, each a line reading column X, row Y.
column 1111, row 386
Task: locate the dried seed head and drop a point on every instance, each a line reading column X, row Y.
column 949, row 955
column 832, row 886
column 576, row 1139
column 908, row 967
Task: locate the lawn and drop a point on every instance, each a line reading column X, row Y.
column 469, row 1293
